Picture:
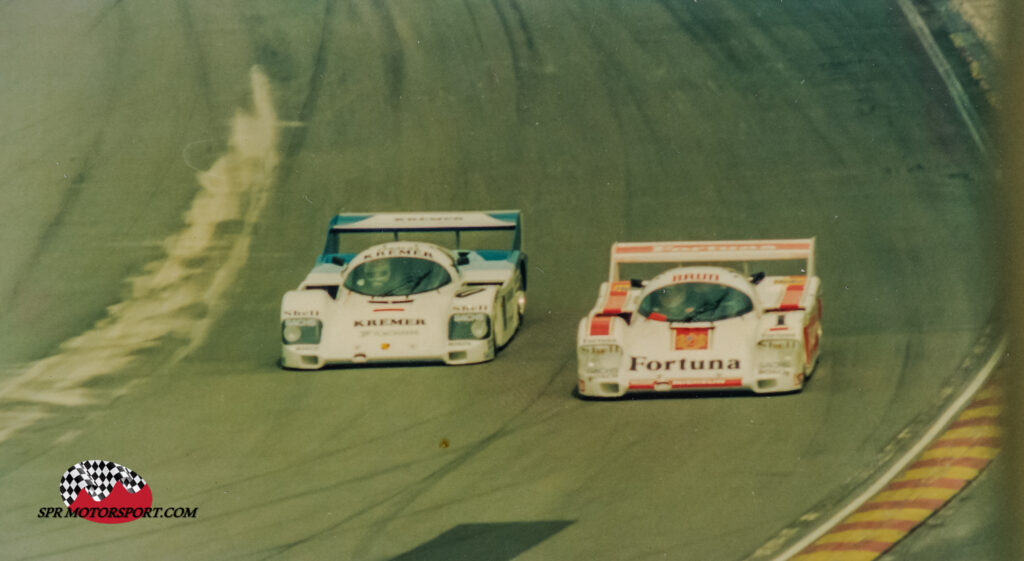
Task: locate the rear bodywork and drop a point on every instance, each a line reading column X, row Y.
column 466, row 303
column 755, row 332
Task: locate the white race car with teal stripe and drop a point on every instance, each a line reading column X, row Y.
column 408, row 287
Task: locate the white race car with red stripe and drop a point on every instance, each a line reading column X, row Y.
column 703, row 325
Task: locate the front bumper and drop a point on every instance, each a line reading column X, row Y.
column 314, row 357
column 603, row 387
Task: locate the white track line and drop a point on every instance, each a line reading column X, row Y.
column 960, row 99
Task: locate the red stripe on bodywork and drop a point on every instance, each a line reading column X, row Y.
column 686, row 383
column 389, row 309
column 727, row 383
column 712, row 246
column 600, row 325
column 635, row 249
column 641, row 385
column 791, row 299
column 617, row 294
column 811, row 340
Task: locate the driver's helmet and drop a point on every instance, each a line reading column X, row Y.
column 376, row 274
column 671, row 298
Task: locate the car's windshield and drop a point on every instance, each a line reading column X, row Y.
column 695, row 301
column 396, row 276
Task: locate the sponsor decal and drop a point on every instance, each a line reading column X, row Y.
column 429, row 219
column 408, row 251
column 300, row 313
column 617, row 294
column 692, row 338
column 108, row 493
column 465, row 308
column 643, row 363
column 686, row 277
column 388, row 322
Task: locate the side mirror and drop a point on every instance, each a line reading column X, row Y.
column 338, row 260
column 757, row 277
column 463, row 258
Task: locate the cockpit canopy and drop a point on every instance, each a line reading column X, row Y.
column 396, row 276
column 695, row 302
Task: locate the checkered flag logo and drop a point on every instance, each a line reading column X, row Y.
column 97, row 477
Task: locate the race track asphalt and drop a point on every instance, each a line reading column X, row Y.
column 170, row 170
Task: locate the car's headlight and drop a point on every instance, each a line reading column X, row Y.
column 301, row 331
column 599, row 360
column 469, row 326
column 776, row 354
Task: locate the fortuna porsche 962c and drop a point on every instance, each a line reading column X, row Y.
column 702, row 327
column 408, row 299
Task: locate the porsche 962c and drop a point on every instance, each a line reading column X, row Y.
column 702, row 325
column 384, row 289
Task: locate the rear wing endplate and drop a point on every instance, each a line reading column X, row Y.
column 712, row 252
column 432, row 222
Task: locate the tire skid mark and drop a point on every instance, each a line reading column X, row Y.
column 520, row 59
column 394, row 56
column 702, row 36
column 612, row 70
column 316, row 81
column 77, row 179
column 617, row 73
column 327, row 455
column 398, row 501
column 102, row 16
column 467, row 4
column 202, row 67
column 168, row 300
column 415, row 490
column 524, row 27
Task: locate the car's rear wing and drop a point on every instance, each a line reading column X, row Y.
column 457, row 222
column 712, row 252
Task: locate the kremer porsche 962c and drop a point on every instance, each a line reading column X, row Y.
column 384, row 291
column 702, row 325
